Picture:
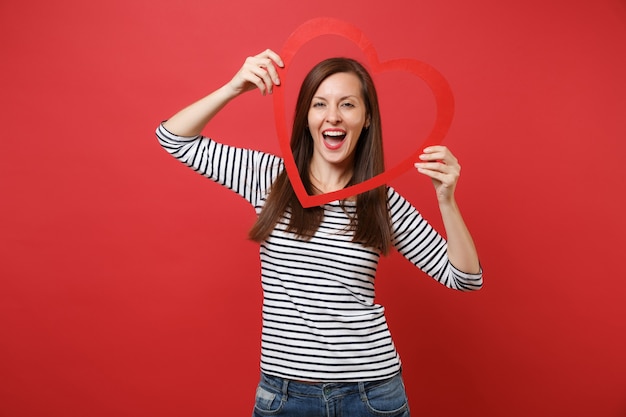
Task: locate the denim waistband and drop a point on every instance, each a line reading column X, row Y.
column 289, row 386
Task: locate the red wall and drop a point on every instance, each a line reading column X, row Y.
column 128, row 287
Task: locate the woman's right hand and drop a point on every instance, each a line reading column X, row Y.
column 258, row 71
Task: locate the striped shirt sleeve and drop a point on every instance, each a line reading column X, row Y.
column 248, row 173
column 423, row 246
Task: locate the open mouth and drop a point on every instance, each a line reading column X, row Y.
column 333, row 139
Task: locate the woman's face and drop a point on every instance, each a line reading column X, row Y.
column 337, row 116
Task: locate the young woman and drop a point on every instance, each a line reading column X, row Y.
column 326, row 349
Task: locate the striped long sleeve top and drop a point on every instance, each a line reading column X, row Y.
column 320, row 321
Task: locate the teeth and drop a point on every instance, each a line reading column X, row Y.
column 334, row 134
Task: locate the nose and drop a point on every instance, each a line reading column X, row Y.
column 333, row 116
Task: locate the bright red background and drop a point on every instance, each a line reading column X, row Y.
column 128, row 287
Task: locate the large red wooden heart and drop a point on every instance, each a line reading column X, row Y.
column 444, row 101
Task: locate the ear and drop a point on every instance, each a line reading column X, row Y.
column 367, row 122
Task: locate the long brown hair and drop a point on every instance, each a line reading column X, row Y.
column 372, row 224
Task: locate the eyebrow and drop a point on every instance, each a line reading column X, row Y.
column 341, row 98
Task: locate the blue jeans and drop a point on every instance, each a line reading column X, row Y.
column 285, row 398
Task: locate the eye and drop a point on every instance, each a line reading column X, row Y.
column 318, row 104
column 347, row 104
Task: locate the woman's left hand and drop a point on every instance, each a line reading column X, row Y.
column 443, row 168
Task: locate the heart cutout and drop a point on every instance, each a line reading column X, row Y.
column 442, row 92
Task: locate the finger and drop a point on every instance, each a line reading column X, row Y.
column 433, row 174
column 270, row 74
column 433, row 166
column 269, row 60
column 432, row 156
column 438, row 171
column 263, row 79
column 435, row 148
column 440, row 149
column 428, row 165
column 265, row 71
column 251, row 80
column 255, row 72
column 268, row 53
column 438, row 153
